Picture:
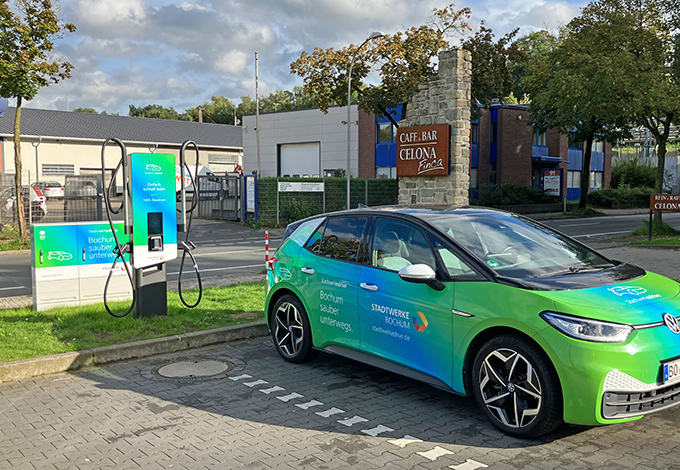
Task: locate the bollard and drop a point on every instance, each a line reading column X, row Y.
column 266, row 249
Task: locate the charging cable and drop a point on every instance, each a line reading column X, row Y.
column 120, row 249
column 186, row 245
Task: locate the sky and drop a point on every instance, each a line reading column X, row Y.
column 180, row 53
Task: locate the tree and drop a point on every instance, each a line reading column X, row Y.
column 27, row 65
column 218, row 110
column 641, row 41
column 156, row 111
column 404, row 58
column 572, row 90
column 87, row 110
column 491, row 77
column 526, row 51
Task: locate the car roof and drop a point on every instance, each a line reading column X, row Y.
column 420, row 213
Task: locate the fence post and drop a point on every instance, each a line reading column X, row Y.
column 366, row 193
column 277, row 201
column 324, row 195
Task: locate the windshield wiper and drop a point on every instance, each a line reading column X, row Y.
column 581, row 269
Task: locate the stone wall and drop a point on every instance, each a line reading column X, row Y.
column 443, row 98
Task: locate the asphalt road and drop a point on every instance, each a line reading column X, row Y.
column 229, row 248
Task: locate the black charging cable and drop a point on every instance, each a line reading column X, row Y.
column 119, row 250
column 187, row 245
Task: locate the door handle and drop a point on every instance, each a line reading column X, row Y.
column 307, row 270
column 367, row 286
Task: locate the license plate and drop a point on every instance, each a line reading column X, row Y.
column 671, row 371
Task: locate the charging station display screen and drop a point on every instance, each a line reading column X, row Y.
column 154, row 221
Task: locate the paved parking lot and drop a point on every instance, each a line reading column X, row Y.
column 265, row 413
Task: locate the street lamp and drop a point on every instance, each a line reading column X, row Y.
column 374, row 35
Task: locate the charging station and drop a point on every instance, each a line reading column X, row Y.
column 151, row 224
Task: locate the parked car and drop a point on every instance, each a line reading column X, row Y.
column 538, row 327
column 34, row 203
column 51, row 189
column 80, row 189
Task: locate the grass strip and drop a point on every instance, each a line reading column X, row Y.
column 25, row 333
column 668, row 241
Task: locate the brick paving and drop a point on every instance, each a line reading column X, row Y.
column 265, row 413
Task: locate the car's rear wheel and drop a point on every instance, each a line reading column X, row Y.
column 291, row 331
column 516, row 387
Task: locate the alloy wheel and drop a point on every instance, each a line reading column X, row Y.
column 289, row 329
column 510, row 387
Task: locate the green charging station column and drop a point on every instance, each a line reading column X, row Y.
column 154, row 229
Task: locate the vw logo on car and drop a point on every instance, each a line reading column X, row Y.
column 537, row 327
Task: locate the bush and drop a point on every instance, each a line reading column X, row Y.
column 629, row 173
column 512, row 194
column 621, row 197
column 297, row 209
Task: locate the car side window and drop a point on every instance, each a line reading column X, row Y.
column 456, row 268
column 397, row 244
column 314, row 242
column 342, row 238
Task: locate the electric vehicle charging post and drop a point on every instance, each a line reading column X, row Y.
column 149, row 206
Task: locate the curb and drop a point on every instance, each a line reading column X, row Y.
column 15, row 252
column 27, row 368
column 656, row 247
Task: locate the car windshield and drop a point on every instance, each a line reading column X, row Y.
column 517, row 247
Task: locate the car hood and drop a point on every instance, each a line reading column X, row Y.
column 639, row 301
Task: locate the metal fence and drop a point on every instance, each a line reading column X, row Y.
column 219, row 197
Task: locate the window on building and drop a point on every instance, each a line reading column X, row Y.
column 596, row 178
column 492, row 173
column 573, row 179
column 385, row 172
column 57, row 169
column 540, row 137
column 385, row 132
column 598, row 147
column 474, row 134
column 494, row 132
column 573, row 143
column 473, row 178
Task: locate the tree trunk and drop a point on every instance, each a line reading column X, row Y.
column 660, row 173
column 23, row 231
column 585, row 172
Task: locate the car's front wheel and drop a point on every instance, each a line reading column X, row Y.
column 291, row 331
column 516, row 387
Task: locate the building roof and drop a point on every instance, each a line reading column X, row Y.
column 47, row 123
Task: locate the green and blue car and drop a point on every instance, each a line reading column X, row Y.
column 538, row 327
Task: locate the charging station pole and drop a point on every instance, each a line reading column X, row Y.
column 153, row 229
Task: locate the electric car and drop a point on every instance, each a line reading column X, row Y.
column 59, row 255
column 536, row 326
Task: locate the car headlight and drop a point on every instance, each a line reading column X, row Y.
column 587, row 329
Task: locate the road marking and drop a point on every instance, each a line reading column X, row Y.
column 600, row 234
column 259, row 265
column 404, row 441
column 435, row 453
column 379, row 429
column 578, row 225
column 257, row 382
column 242, row 376
column 257, row 252
column 292, row 396
column 267, row 391
column 12, row 288
column 352, row 421
column 329, row 413
column 469, row 464
column 309, row 404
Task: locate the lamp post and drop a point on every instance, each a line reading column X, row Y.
column 374, row 35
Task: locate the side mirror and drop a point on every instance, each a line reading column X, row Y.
column 421, row 274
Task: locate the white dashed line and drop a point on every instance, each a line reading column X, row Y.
column 292, row 396
column 404, row 441
column 242, row 376
column 257, row 382
column 351, row 421
column 329, row 413
column 469, row 465
column 267, row 391
column 435, row 453
column 309, row 404
column 379, row 429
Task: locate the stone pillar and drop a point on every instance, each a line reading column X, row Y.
column 443, row 99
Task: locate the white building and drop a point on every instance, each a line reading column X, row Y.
column 303, row 142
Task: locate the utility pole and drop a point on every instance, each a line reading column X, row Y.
column 257, row 117
column 200, row 113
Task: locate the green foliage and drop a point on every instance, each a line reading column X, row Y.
column 630, row 174
column 297, row 209
column 527, row 50
column 622, row 197
column 511, row 194
column 85, row 110
column 340, row 173
column 491, row 77
column 659, row 229
column 156, row 111
column 663, row 240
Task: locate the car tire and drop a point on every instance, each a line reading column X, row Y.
column 516, row 387
column 291, row 332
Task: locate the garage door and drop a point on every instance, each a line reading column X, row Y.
column 300, row 159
